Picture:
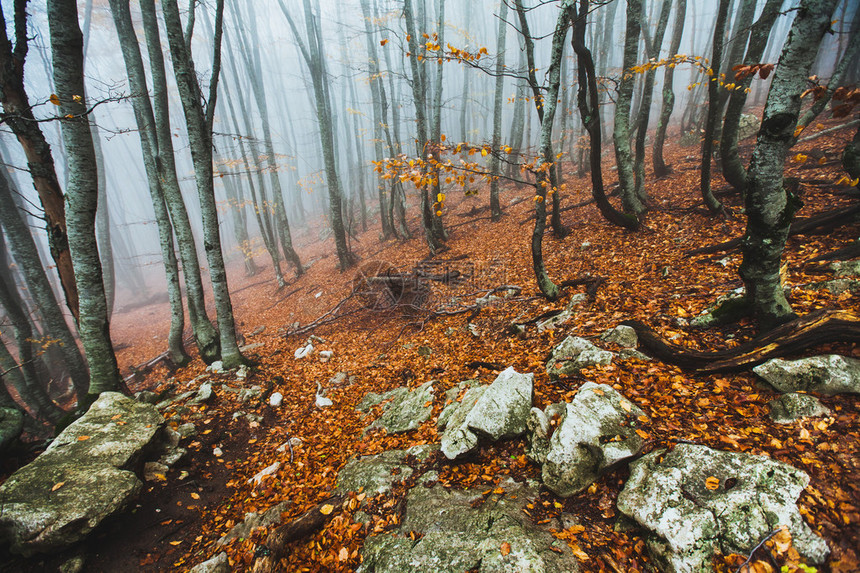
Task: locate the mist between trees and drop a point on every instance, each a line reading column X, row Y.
column 148, row 147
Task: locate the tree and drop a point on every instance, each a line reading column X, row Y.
column 714, row 109
column 588, row 101
column 769, row 205
column 314, row 57
column 733, row 168
column 18, row 115
column 199, row 123
column 148, row 145
column 81, row 195
column 623, row 154
column 205, row 335
column 660, row 167
column 495, row 208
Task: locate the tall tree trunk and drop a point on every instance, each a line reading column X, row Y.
column 769, row 206
column 733, row 168
column 621, row 132
column 199, row 123
column 495, row 171
column 206, row 336
column 851, row 156
column 436, row 127
column 18, row 115
column 660, row 167
column 82, row 195
column 647, row 95
column 714, row 108
column 148, row 145
column 24, row 250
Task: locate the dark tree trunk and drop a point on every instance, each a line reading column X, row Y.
column 714, row 107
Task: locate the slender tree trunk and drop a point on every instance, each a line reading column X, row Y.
column 851, row 156
column 733, row 168
column 436, row 128
column 199, row 123
column 644, row 116
column 660, row 167
column 495, row 171
column 621, row 132
column 714, row 107
column 205, row 334
column 148, row 145
column 82, row 197
column 18, row 115
column 769, row 206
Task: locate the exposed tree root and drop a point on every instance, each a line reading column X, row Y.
column 819, row 327
column 270, row 554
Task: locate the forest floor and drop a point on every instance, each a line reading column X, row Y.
column 648, row 278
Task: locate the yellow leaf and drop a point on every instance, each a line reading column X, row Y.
column 77, row 98
column 712, row 483
column 442, row 137
column 506, row 548
column 484, row 152
column 327, row 509
column 195, row 495
column 57, row 485
column 643, row 435
column 54, row 99
column 176, row 542
column 578, row 552
column 383, row 42
column 343, row 554
column 625, row 405
column 83, row 438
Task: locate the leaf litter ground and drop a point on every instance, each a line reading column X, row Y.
column 648, row 277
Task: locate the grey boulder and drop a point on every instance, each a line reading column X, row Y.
column 828, row 374
column 694, row 500
column 574, row 354
column 791, row 407
column 86, row 475
column 407, row 409
column 376, row 474
column 596, row 433
column 461, row 530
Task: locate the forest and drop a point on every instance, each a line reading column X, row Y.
column 422, row 285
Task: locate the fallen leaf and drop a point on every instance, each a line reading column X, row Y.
column 176, row 542
column 83, row 438
column 343, row 554
column 195, row 495
column 57, row 485
column 712, row 483
column 506, row 548
column 326, row 509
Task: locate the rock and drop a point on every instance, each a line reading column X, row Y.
column 686, row 521
column 73, row 564
column 325, row 355
column 458, row 438
column 537, row 436
column 721, row 307
column 217, row 452
column 303, row 351
column 596, row 433
column 425, row 351
column 474, row 330
column 621, row 335
column 377, row 473
column 276, row 399
column 154, row 471
column 502, row 410
column 574, row 354
column 451, row 403
column 407, row 410
column 267, row 471
column 460, row 530
column 846, row 268
column 93, row 460
column 254, row 521
column 248, row 394
column 829, row 374
column 628, row 353
column 204, row 393
column 218, row 564
column 339, row 379
column 170, row 456
column 187, row 430
column 322, row 402
column 251, row 347
column 242, row 372
column 216, row 367
column 835, row 286
column 791, row 407
column 146, row 397
column 553, row 322
column 11, row 426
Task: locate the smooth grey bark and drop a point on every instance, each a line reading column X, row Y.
column 199, row 124
column 24, row 250
column 769, row 206
column 518, row 122
column 206, row 336
column 397, row 203
column 494, row 167
column 714, row 108
column 733, row 168
column 254, row 66
column 436, row 126
column 148, row 145
column 588, row 102
column 378, row 117
column 81, row 195
column 314, row 56
column 644, row 115
column 621, row 127
column 660, row 167
column 18, row 115
column 361, row 165
column 419, row 96
column 543, row 172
